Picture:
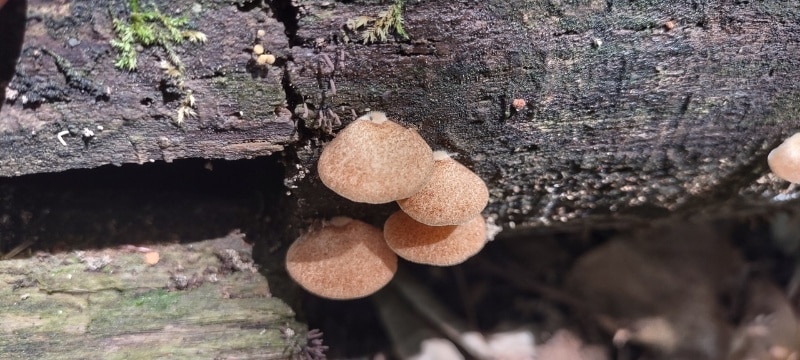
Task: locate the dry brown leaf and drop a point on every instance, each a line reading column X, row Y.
column 769, row 327
column 662, row 288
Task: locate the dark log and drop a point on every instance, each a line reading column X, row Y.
column 633, row 109
column 65, row 80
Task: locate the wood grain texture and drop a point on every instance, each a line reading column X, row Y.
column 201, row 300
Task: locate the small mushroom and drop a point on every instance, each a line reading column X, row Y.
column 518, row 104
column 434, row 245
column 374, row 160
column 258, row 49
column 452, row 196
column 342, row 259
column 265, row 59
column 784, row 160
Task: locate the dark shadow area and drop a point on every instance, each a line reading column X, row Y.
column 546, row 284
column 287, row 13
column 12, row 32
column 351, row 328
column 184, row 201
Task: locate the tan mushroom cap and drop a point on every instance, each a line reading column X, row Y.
column 452, row 196
column 374, row 160
column 434, row 245
column 343, row 259
column 784, row 160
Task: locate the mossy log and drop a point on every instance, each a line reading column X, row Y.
column 632, row 109
column 202, row 300
column 66, row 81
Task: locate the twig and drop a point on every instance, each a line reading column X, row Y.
column 18, row 249
column 450, row 325
column 469, row 302
column 604, row 321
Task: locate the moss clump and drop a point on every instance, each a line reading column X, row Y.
column 377, row 29
column 150, row 27
column 159, row 299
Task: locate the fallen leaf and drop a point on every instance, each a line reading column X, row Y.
column 661, row 288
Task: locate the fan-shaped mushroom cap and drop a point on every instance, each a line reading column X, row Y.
column 784, row 160
column 434, row 245
column 452, row 196
column 343, row 259
column 374, row 160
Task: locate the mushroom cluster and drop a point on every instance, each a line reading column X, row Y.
column 260, row 55
column 375, row 160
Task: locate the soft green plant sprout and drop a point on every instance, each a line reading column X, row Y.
column 377, row 29
column 150, row 27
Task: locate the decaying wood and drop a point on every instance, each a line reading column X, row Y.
column 627, row 117
column 633, row 109
column 65, row 80
column 200, row 300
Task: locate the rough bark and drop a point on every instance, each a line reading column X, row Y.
column 200, row 300
column 65, row 80
column 625, row 118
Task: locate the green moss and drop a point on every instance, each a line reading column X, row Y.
column 377, row 29
column 148, row 28
column 146, row 311
column 785, row 108
column 156, row 300
column 54, row 309
column 152, row 28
